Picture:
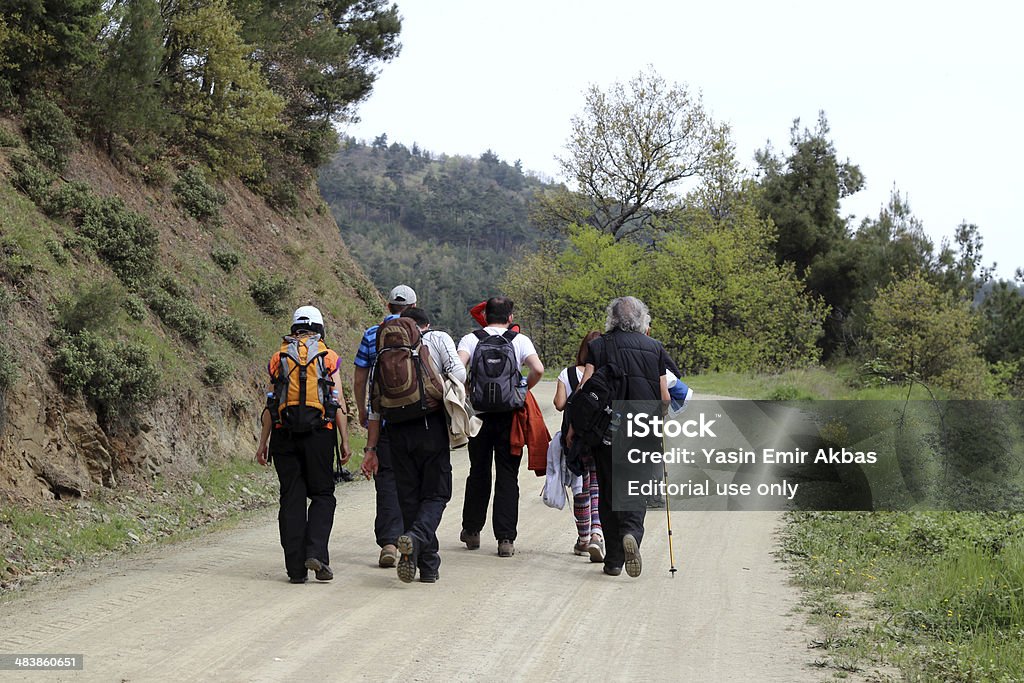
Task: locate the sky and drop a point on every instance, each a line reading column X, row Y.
column 926, row 97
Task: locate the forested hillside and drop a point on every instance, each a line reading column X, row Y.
column 447, row 226
column 160, row 220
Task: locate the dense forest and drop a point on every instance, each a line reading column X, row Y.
column 449, row 226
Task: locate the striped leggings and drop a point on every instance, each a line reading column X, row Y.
column 585, row 503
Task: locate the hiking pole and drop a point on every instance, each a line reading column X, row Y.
column 668, row 517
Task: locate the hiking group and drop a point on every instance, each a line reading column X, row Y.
column 419, row 395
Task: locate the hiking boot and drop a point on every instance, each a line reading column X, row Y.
column 596, row 548
column 506, row 548
column 429, row 578
column 470, row 538
column 633, row 562
column 580, row 548
column 388, row 556
column 612, row 571
column 320, row 570
column 297, row 579
column 406, row 561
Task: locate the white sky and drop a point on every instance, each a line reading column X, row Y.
column 923, row 96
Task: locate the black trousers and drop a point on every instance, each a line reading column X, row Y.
column 492, row 445
column 305, row 468
column 387, row 525
column 423, row 475
column 616, row 524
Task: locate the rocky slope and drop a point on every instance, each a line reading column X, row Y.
column 56, row 444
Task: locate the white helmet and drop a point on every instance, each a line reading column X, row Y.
column 305, row 315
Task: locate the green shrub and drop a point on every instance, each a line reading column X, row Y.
column 268, row 292
column 31, row 178
column 178, row 312
column 216, row 373
column 226, row 258
column 8, row 139
column 135, row 307
column 15, row 266
column 93, row 307
column 197, row 196
column 57, row 251
column 51, row 135
column 234, row 332
column 115, row 377
column 788, row 392
column 125, row 240
column 71, row 200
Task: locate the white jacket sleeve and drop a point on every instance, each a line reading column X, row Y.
column 451, row 364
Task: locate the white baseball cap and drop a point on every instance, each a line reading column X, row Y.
column 304, row 315
column 402, row 295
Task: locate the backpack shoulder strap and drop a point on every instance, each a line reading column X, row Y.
column 509, row 334
column 481, row 334
column 574, row 378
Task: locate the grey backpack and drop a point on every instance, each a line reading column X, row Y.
column 495, row 383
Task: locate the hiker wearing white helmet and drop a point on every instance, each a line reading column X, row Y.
column 303, row 420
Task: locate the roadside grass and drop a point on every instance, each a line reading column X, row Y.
column 840, row 383
column 39, row 538
column 938, row 595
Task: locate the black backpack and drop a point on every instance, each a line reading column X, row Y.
column 591, row 414
column 495, row 383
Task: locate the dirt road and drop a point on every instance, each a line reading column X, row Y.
column 220, row 609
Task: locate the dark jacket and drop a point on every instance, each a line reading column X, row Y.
column 643, row 360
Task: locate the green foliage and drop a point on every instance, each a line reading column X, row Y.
column 447, row 227
column 31, row 178
column 226, row 105
column 268, row 292
column 322, row 61
column 50, row 133
column 57, row 251
column 921, row 333
column 72, row 200
column 200, row 199
column 8, row 139
column 122, row 238
column 135, row 307
column 125, row 94
column 716, row 298
column 226, row 258
column 93, row 307
column 802, row 192
column 15, row 265
column 177, row 310
column 115, row 377
column 216, row 372
column 46, row 38
column 234, row 332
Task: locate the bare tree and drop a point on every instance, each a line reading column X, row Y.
column 631, row 147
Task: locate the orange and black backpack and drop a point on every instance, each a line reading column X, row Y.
column 303, row 397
